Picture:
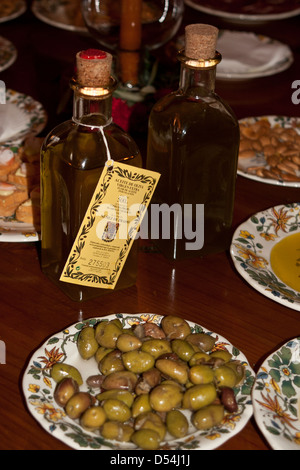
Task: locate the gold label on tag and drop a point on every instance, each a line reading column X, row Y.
column 110, row 225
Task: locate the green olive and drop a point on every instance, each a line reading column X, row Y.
column 183, row 349
column 174, row 370
column 123, row 395
column 77, row 404
column 60, row 371
column 93, row 418
column 128, row 342
column 239, row 370
column 225, row 355
column 138, row 361
column 114, row 430
column 225, row 377
column 107, row 334
column 156, row 347
column 175, row 327
column 101, row 353
column 207, row 417
column 64, row 390
column 112, row 362
column 204, row 341
column 140, row 405
column 201, row 374
column 199, row 358
column 165, row 397
column 116, row 410
column 177, row 423
column 199, row 396
column 151, row 420
column 86, row 343
column 146, row 439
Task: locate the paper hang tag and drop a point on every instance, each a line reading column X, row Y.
column 110, row 225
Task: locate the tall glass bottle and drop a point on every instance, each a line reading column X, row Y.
column 193, row 141
column 72, row 158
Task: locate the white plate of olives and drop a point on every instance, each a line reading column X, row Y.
column 139, row 381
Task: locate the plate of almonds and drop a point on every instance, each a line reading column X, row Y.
column 270, row 150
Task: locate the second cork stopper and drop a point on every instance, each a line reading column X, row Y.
column 201, row 41
column 93, row 68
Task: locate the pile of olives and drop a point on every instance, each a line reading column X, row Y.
column 149, row 377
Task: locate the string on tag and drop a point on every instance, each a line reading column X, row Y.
column 109, row 161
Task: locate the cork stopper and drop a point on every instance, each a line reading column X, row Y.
column 200, row 41
column 93, row 68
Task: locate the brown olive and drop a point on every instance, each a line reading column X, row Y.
column 175, row 327
column 227, row 398
column 204, row 341
column 124, row 379
column 149, row 379
column 64, row 390
column 77, row 404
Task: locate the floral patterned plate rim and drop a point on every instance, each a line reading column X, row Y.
column 276, row 397
column 20, row 116
column 285, row 122
column 19, row 7
column 8, row 53
column 38, row 388
column 251, row 247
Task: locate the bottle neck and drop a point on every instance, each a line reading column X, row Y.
column 92, row 106
column 198, row 74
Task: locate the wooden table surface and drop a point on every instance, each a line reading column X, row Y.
column 208, row 291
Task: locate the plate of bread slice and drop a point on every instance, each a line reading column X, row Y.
column 20, row 191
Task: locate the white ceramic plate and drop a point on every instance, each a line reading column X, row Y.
column 225, row 70
column 251, row 248
column 8, row 53
column 38, row 388
column 18, row 8
column 276, row 397
column 20, row 116
column 239, row 17
column 16, row 232
column 259, row 160
column 56, row 13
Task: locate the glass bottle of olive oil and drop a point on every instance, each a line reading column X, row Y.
column 193, row 141
column 73, row 156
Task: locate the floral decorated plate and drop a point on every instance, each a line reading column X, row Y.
column 38, row 388
column 276, row 397
column 251, row 249
column 20, row 116
column 8, row 54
